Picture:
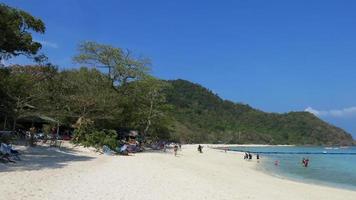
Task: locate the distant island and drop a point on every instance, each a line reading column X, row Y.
column 203, row 117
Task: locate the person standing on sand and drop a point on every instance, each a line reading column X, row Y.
column 175, row 149
column 246, row 156
column 200, row 149
column 164, row 147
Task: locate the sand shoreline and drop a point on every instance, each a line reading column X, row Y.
column 79, row 173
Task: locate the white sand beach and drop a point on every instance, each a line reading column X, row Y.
column 77, row 173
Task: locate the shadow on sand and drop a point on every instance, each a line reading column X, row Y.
column 40, row 157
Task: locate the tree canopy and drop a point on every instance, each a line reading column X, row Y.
column 15, row 33
column 201, row 116
column 122, row 66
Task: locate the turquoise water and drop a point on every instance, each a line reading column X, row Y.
column 332, row 166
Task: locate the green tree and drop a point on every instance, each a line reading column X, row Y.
column 25, row 88
column 15, row 33
column 5, row 100
column 84, row 93
column 122, row 66
column 146, row 105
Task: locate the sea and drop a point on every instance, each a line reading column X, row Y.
column 330, row 166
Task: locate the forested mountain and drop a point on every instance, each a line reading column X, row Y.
column 201, row 116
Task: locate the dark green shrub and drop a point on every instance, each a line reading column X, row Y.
column 6, row 138
column 87, row 135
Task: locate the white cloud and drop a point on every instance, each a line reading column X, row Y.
column 47, row 43
column 312, row 110
column 345, row 112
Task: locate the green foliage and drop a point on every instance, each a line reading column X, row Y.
column 122, row 66
column 202, row 116
column 87, row 135
column 100, row 138
column 15, row 32
column 6, row 138
column 145, row 106
column 173, row 110
column 24, row 88
column 84, row 93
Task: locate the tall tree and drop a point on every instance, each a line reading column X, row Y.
column 25, row 89
column 5, row 100
column 146, row 104
column 84, row 93
column 122, row 66
column 15, row 33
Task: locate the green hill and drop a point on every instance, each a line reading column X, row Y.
column 201, row 116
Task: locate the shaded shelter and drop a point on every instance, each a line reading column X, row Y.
column 37, row 121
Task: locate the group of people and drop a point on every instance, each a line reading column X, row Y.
column 248, row 156
column 7, row 152
column 131, row 146
column 176, row 146
column 305, row 162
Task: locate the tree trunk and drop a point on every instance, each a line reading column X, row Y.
column 147, row 126
column 149, row 118
column 14, row 125
column 5, row 121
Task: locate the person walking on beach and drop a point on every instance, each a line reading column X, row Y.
column 200, row 148
column 175, row 149
column 249, row 156
column 164, row 147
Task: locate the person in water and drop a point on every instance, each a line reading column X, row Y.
column 249, row 156
column 258, row 157
column 305, row 162
column 276, row 163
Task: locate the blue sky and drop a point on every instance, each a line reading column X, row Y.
column 277, row 56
